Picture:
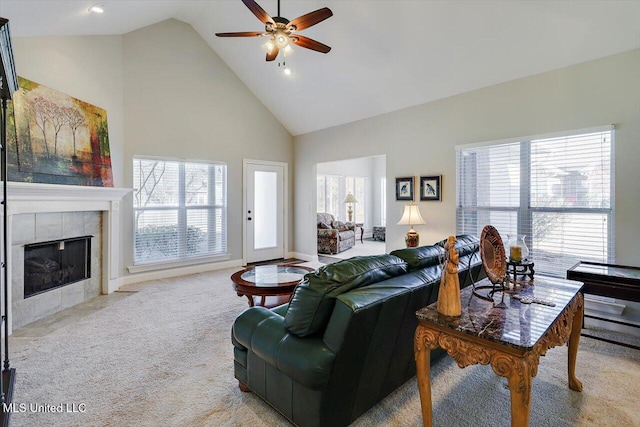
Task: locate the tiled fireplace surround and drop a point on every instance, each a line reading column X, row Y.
column 44, row 212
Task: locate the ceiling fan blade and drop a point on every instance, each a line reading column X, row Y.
column 312, row 18
column 241, row 34
column 258, row 11
column 308, row 43
column 273, row 54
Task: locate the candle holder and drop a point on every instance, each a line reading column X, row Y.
column 518, row 250
column 522, row 268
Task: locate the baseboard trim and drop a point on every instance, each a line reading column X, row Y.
column 304, row 257
column 180, row 271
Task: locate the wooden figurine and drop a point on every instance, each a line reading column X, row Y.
column 449, row 293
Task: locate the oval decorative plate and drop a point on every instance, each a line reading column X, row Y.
column 493, row 255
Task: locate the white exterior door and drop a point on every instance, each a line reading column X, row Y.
column 264, row 210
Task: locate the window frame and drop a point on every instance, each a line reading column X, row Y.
column 524, row 211
column 182, row 210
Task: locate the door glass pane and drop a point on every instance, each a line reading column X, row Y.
column 265, row 213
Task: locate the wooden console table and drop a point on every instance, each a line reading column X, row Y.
column 507, row 334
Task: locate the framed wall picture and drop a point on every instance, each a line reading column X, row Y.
column 404, row 188
column 430, row 188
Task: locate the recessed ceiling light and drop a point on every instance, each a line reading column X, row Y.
column 96, row 9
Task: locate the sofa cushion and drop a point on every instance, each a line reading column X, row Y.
column 340, row 226
column 421, row 257
column 314, row 297
column 465, row 244
column 325, row 218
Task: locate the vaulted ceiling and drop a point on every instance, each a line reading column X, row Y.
column 387, row 55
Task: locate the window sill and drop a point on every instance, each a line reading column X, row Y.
column 163, row 265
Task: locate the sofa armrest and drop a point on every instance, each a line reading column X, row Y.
column 245, row 325
column 325, row 233
column 306, row 360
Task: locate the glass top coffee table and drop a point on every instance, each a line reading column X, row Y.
column 510, row 334
column 268, row 285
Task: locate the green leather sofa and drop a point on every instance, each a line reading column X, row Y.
column 345, row 340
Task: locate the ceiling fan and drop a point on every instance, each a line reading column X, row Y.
column 281, row 31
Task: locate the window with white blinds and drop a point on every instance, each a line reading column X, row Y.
column 180, row 210
column 557, row 191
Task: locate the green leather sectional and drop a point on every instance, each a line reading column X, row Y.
column 345, row 340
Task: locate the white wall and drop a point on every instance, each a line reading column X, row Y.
column 87, row 68
column 421, row 140
column 182, row 101
column 166, row 94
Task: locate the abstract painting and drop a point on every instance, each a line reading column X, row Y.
column 56, row 139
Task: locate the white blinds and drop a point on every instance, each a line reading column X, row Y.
column 556, row 191
column 179, row 210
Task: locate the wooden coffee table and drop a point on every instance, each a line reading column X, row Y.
column 507, row 334
column 268, row 285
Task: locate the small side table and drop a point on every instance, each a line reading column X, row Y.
column 522, row 268
column 361, row 227
column 268, row 285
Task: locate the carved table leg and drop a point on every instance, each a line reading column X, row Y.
column 574, row 339
column 249, row 297
column 520, row 379
column 423, row 374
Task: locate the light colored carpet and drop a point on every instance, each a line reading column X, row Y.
column 162, row 356
column 368, row 247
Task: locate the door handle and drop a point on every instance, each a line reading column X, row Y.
column 249, row 219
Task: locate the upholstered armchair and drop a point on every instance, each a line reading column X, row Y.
column 334, row 236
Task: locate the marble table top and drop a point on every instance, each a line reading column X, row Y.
column 507, row 320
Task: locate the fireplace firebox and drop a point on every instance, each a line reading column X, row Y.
column 50, row 265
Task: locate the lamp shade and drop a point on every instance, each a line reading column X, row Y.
column 411, row 216
column 350, row 199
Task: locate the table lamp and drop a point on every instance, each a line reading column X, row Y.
column 350, row 200
column 411, row 216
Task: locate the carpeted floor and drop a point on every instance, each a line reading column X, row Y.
column 160, row 354
column 367, row 247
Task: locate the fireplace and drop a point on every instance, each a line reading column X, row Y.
column 53, row 264
column 50, row 213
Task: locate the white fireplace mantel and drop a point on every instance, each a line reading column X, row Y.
column 24, row 198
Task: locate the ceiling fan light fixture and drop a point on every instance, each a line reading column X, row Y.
column 281, row 30
column 282, row 40
column 269, row 46
column 287, row 71
column 98, row 8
